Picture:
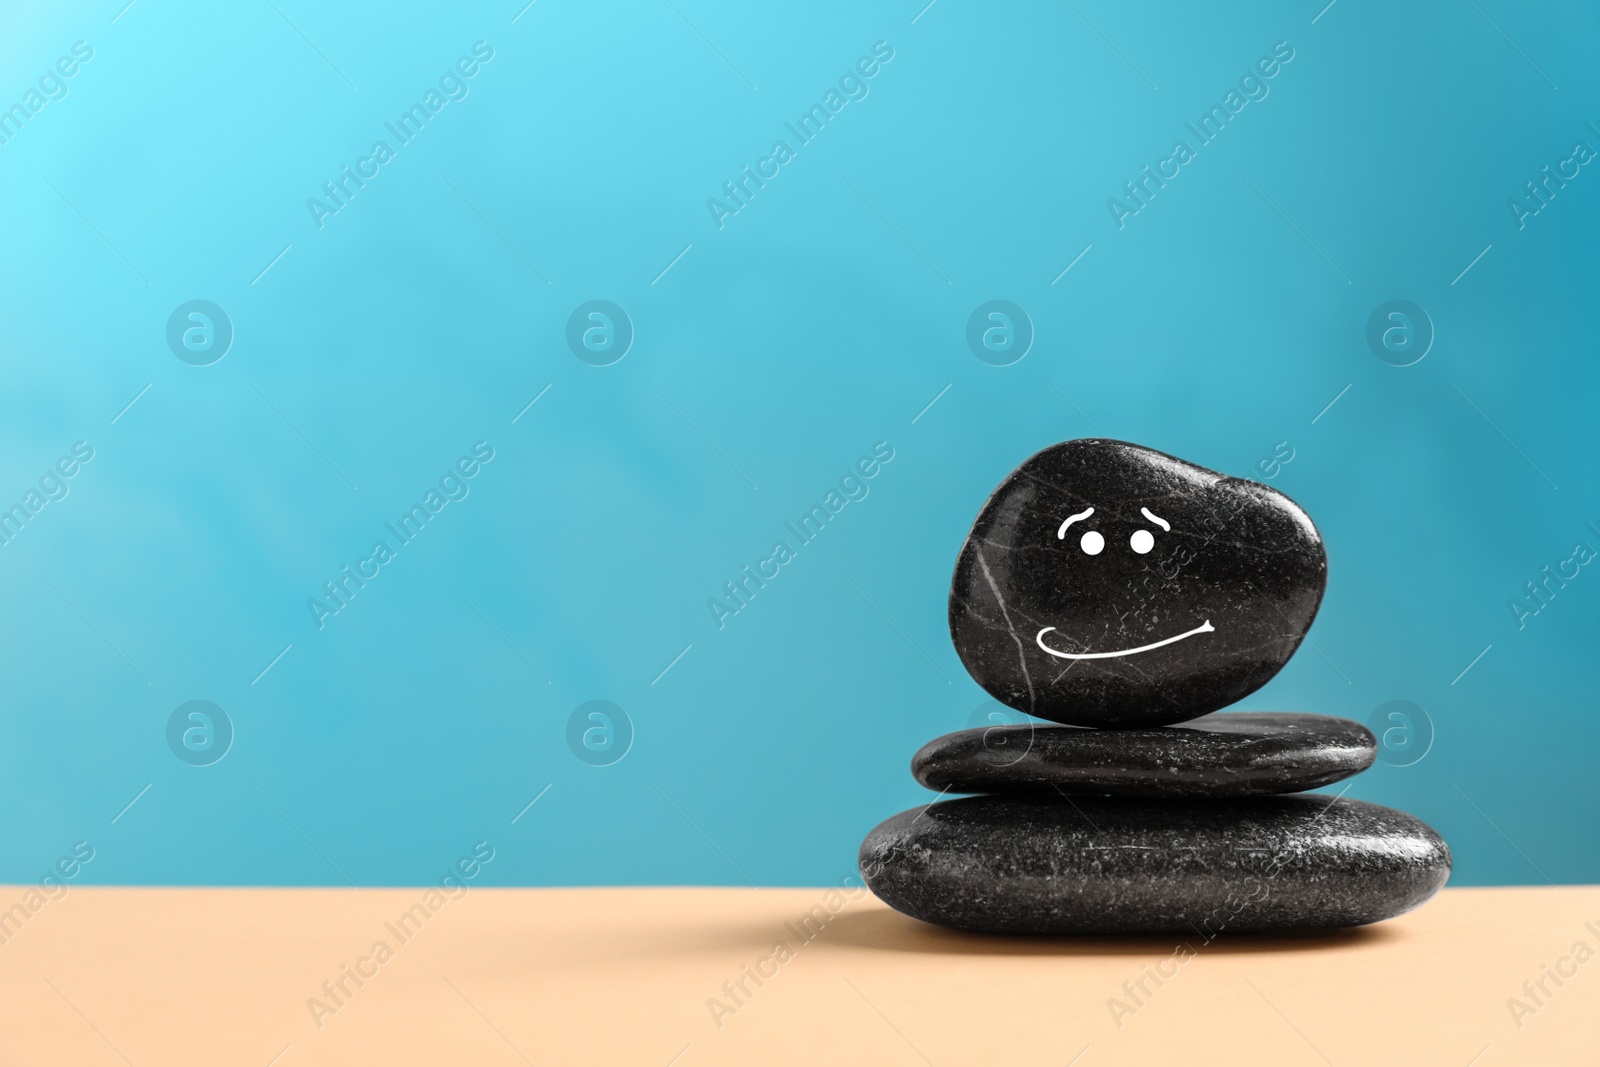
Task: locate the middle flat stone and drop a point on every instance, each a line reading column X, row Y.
column 1225, row 754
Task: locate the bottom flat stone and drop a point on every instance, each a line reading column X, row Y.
column 1097, row 865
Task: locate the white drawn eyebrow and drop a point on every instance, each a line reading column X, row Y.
column 1084, row 514
column 1157, row 519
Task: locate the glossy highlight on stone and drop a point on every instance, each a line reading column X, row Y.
column 1226, row 754
column 1107, row 584
column 1113, row 865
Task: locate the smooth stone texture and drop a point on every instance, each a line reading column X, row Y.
column 1030, row 865
column 1204, row 616
column 1227, row 754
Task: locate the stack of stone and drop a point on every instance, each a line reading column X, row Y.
column 1128, row 595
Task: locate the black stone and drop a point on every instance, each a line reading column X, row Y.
column 1030, row 865
column 1210, row 611
column 1227, row 754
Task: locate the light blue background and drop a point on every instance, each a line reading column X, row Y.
column 823, row 318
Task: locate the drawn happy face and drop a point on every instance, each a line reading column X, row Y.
column 1093, row 543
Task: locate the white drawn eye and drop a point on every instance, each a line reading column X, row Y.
column 1092, row 543
column 1142, row 541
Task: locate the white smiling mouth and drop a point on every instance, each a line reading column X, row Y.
column 1203, row 628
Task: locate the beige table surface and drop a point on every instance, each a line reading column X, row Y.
column 628, row 976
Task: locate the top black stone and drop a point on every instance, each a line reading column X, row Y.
column 1107, row 584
